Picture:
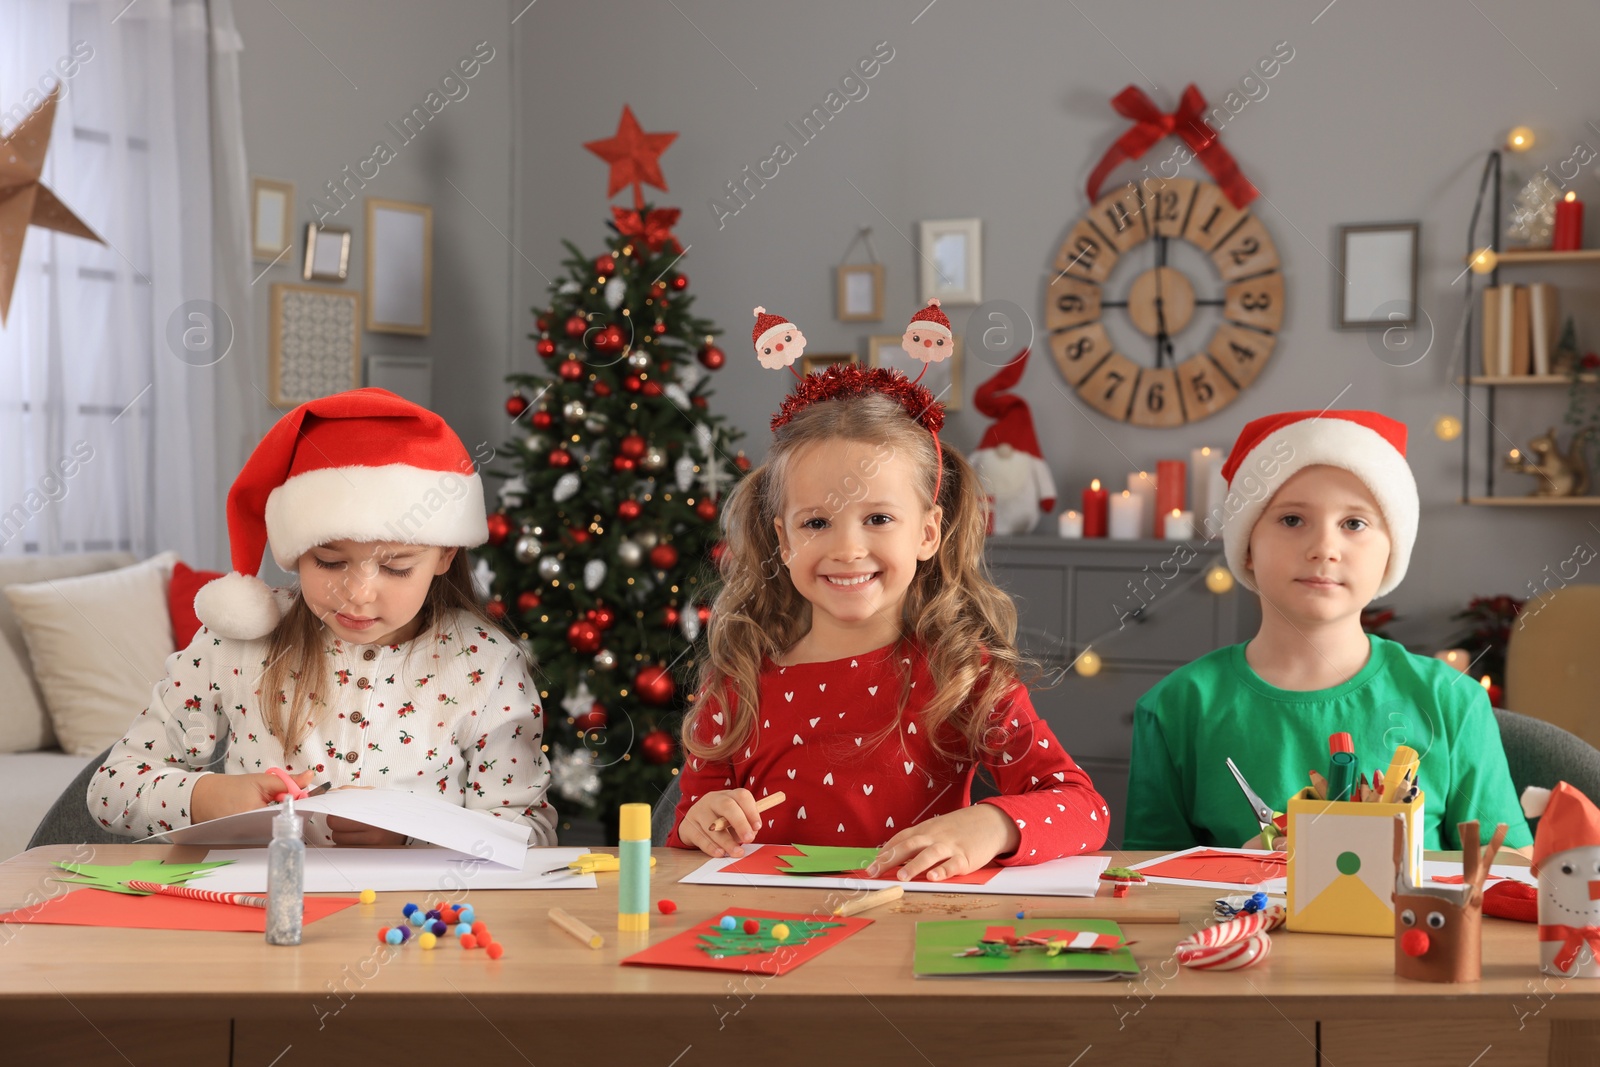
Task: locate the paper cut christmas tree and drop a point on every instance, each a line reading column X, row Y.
column 116, row 879
column 719, row 943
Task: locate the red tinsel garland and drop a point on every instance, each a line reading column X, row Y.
column 845, row 380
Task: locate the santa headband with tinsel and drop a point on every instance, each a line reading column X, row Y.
column 779, row 343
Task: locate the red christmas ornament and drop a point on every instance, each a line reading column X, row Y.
column 704, row 611
column 654, row 684
column 527, row 600
column 651, row 388
column 580, row 536
column 584, row 636
column 593, row 719
column 496, row 609
column 560, row 457
column 542, row 420
column 546, row 347
column 706, row 509
column 499, row 527
column 571, row 370
column 602, row 389
column 663, row 557
column 604, row 617
column 658, row 748
column 719, row 550
column 628, row 510
column 541, row 324
column 658, row 289
column 698, row 401
column 742, row 461
column 633, row 446
column 659, row 328
column 711, row 357
column 576, row 325
column 680, row 282
column 623, row 463
column 605, row 264
column 632, row 383
column 669, row 617
column 516, row 404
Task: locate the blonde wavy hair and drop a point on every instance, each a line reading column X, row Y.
column 297, row 647
column 953, row 615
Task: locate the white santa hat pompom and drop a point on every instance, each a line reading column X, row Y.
column 1534, row 800
column 238, row 606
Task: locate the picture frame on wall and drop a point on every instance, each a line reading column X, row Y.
column 943, row 379
column 410, row 377
column 860, row 292
column 315, row 343
column 327, row 254
column 399, row 267
column 271, row 219
column 951, row 251
column 1378, row 275
column 811, row 363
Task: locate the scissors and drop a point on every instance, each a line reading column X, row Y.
column 592, row 863
column 293, row 790
column 1272, row 823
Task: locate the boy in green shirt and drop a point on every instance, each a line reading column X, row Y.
column 1320, row 520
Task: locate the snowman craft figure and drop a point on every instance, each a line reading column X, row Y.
column 1015, row 476
column 1566, row 860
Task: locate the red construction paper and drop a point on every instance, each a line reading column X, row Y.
column 683, row 950
column 766, row 860
column 1210, row 865
column 97, row 907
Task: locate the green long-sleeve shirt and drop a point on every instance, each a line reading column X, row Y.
column 1180, row 793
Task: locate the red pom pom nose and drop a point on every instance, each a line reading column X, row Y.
column 779, row 346
column 1414, row 943
column 927, row 342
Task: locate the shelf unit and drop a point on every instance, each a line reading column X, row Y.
column 1514, row 257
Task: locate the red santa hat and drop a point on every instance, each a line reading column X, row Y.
column 931, row 320
column 767, row 328
column 1567, row 820
column 1013, row 424
column 363, row 465
column 1273, row 449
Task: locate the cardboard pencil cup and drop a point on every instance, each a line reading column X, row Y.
column 1341, row 868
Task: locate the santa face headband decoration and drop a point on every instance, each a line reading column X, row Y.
column 778, row 341
column 928, row 337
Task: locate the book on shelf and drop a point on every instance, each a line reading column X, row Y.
column 1519, row 330
column 1521, row 334
column 1542, row 299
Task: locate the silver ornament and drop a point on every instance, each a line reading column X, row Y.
column 594, row 572
column 574, row 411
column 654, row 459
column 605, row 660
column 549, row 568
column 630, row 554
column 528, row 548
column 638, row 361
column 683, row 473
column 512, row 491
column 689, row 623
column 676, row 394
column 536, row 442
column 616, row 289
column 566, row 486
column 647, row 539
column 568, row 287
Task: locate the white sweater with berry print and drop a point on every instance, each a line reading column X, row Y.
column 452, row 713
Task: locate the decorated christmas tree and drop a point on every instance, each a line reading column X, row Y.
column 602, row 550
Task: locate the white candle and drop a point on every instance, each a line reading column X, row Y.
column 1127, row 517
column 1142, row 485
column 1069, row 524
column 1216, row 498
column 1201, row 462
column 1179, row 525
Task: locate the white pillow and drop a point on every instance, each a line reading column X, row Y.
column 99, row 644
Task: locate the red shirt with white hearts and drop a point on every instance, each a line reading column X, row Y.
column 857, row 768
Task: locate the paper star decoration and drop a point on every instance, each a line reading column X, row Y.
column 24, row 200
column 635, row 156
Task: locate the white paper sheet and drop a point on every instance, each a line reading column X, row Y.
column 425, row 818
column 1274, row 886
column 1504, row 870
column 1076, row 876
column 395, row 870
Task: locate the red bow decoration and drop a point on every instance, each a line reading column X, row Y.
column 1573, row 938
column 654, row 228
column 1151, row 124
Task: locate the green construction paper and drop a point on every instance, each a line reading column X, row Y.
column 828, row 859
column 939, row 943
column 115, row 879
column 719, row 943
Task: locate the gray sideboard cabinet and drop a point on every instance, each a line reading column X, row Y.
column 1142, row 606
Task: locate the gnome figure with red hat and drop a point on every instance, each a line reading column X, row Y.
column 1566, row 860
column 1015, row 476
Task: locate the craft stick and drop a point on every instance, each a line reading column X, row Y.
column 720, row 824
column 1377, row 783
column 244, row 900
column 576, row 927
column 871, row 900
column 1121, row 915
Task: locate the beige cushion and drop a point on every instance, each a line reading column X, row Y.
column 98, row 644
column 24, row 722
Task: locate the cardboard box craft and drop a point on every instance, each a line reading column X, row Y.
column 1341, row 869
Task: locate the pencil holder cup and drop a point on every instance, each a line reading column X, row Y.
column 1341, row 866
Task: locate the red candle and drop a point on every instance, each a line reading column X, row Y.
column 1096, row 506
column 1172, row 487
column 1567, row 233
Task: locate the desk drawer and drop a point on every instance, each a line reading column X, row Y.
column 1094, row 716
column 1040, row 594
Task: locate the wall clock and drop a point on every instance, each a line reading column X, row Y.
column 1157, row 389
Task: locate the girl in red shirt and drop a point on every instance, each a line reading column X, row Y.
column 860, row 660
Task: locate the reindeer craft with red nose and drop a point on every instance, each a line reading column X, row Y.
column 1438, row 928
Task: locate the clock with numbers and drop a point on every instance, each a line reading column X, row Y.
column 1163, row 385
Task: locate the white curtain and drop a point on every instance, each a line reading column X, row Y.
column 121, row 419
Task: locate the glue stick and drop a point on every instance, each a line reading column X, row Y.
column 633, row 874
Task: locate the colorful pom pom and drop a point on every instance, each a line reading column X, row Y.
column 729, row 923
column 368, row 896
column 481, row 932
column 468, row 915
column 438, row 928
column 417, row 918
column 383, row 934
column 781, row 931
column 432, row 914
column 408, row 910
column 752, row 927
column 666, row 907
column 495, row 950
column 462, row 930
column 394, row 935
column 426, row 940
column 405, row 933
column 468, row 941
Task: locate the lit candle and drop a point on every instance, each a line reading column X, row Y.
column 1069, row 524
column 1127, row 517
column 1094, row 510
column 1456, row 657
column 1179, row 525
column 1172, row 488
column 1142, row 484
column 1567, row 231
column 1201, row 462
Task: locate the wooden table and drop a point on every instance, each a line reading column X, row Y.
column 89, row 996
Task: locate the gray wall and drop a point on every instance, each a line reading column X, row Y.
column 996, row 111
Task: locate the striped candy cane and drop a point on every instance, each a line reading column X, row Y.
column 242, row 899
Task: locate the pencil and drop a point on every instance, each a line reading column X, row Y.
column 1319, row 785
column 242, row 899
column 576, row 927
column 720, row 824
column 871, row 900
column 1121, row 915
